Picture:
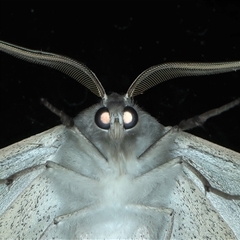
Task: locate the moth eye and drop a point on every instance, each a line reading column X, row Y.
column 102, row 118
column 130, row 117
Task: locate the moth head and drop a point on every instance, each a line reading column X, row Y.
column 117, row 116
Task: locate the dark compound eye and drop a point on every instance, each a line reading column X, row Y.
column 102, row 118
column 130, row 117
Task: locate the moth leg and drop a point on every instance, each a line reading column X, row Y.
column 207, row 186
column 63, row 218
column 167, row 136
column 200, row 119
column 167, row 211
column 9, row 180
column 66, row 120
column 56, row 166
column 49, row 164
column 89, row 212
column 158, row 153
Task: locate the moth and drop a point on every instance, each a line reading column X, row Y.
column 115, row 172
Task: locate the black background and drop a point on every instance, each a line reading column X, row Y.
column 118, row 40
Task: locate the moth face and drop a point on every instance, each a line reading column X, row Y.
column 117, row 117
column 118, row 125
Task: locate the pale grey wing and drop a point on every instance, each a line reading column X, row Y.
column 32, row 151
column 70, row 67
column 163, row 72
column 17, row 200
column 39, row 192
column 220, row 166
